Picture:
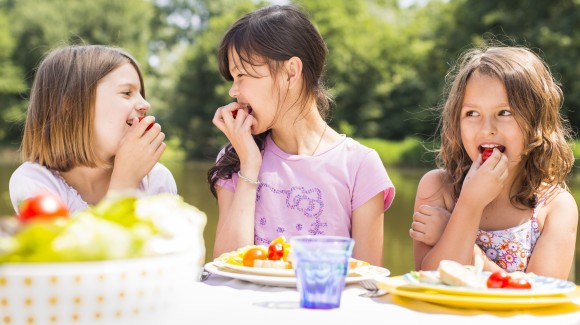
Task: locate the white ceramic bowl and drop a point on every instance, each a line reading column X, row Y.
column 130, row 291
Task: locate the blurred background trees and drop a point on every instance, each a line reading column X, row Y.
column 386, row 66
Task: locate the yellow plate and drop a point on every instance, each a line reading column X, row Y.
column 397, row 286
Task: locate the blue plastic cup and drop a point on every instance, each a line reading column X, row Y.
column 321, row 267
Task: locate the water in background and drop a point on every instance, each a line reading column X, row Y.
column 398, row 246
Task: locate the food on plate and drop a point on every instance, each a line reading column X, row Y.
column 452, row 273
column 149, row 126
column 254, row 254
column 260, row 255
column 515, row 280
column 518, row 283
column 42, row 206
column 123, row 225
column 278, row 249
column 455, row 274
column 426, row 277
column 277, row 255
column 498, row 279
column 273, row 264
column 353, row 263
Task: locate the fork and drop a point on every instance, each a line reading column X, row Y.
column 372, row 289
column 204, row 275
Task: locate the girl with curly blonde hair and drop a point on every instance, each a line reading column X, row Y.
column 503, row 163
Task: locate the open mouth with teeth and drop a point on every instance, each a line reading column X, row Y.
column 487, row 149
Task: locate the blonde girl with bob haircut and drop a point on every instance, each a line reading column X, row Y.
column 82, row 136
column 503, row 163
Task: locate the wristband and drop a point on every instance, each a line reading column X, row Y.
column 247, row 179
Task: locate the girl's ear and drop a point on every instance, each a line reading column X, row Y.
column 294, row 71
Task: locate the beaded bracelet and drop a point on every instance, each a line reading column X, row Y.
column 247, row 179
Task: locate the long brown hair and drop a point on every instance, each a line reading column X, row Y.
column 535, row 98
column 59, row 132
column 272, row 35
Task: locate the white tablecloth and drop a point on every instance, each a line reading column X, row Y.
column 225, row 301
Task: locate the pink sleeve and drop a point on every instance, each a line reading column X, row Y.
column 228, row 184
column 371, row 179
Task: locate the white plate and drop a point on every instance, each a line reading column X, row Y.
column 287, row 281
column 541, row 286
column 254, row 270
column 359, row 271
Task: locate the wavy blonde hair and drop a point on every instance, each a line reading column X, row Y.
column 535, row 99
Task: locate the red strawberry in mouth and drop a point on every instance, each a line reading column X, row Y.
column 149, row 126
column 487, row 151
column 235, row 112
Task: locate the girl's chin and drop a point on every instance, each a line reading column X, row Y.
column 256, row 130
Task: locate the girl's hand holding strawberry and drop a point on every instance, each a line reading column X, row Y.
column 236, row 123
column 484, row 181
column 139, row 150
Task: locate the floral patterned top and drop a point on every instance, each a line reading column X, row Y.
column 512, row 248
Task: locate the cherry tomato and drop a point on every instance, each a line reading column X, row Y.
column 486, row 153
column 149, row 126
column 276, row 251
column 498, row 279
column 44, row 205
column 518, row 283
column 285, row 245
column 254, row 253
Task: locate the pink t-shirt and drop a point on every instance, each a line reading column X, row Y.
column 30, row 178
column 315, row 195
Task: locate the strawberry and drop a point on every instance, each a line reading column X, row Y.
column 486, row 153
column 149, row 126
column 235, row 113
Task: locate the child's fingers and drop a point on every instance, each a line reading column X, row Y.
column 419, row 217
column 418, row 227
column 158, row 140
column 416, row 235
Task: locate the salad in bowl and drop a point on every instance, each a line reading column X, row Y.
column 124, row 260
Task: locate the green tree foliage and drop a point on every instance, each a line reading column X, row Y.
column 372, row 66
column 550, row 28
column 11, row 82
column 386, row 65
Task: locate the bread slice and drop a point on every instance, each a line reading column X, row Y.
column 456, row 274
column 271, row 264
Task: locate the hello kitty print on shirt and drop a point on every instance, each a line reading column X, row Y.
column 308, row 202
